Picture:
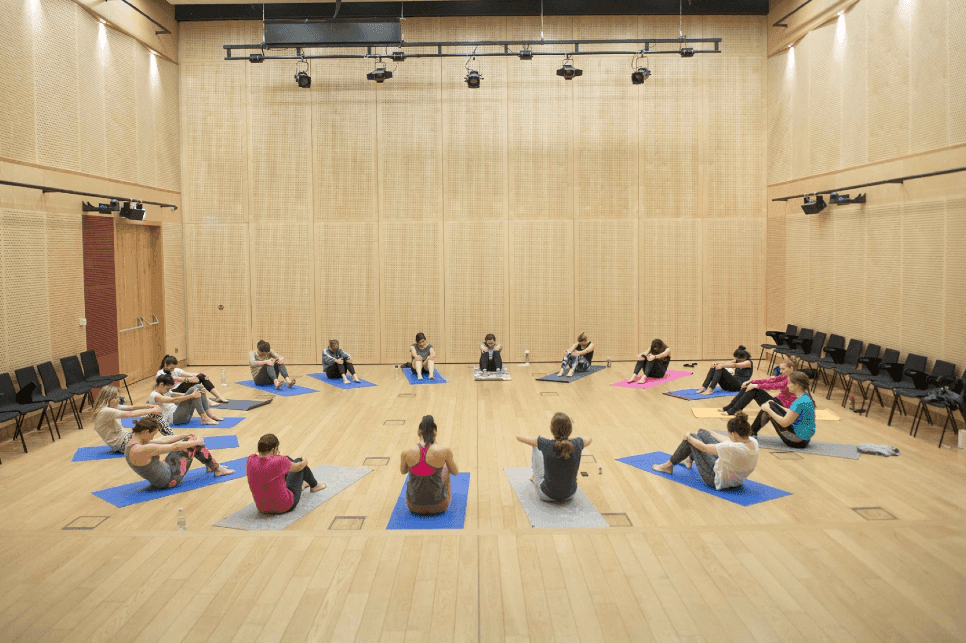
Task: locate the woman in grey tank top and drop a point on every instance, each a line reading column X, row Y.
column 143, row 454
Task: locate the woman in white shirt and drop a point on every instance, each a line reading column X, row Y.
column 178, row 408
column 183, row 380
column 107, row 418
column 722, row 465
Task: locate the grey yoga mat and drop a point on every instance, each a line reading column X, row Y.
column 243, row 405
column 578, row 511
column 336, row 479
column 552, row 377
column 830, row 449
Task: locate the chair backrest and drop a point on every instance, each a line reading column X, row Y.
column 73, row 373
column 835, row 341
column 817, row 345
column 915, row 362
column 943, row 369
column 872, row 350
column 26, row 376
column 890, row 356
column 8, row 395
column 853, row 351
column 89, row 361
column 49, row 376
column 791, row 329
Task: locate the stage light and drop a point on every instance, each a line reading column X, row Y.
column 568, row 71
column 814, row 207
column 379, row 74
column 640, row 75
column 687, row 52
column 399, row 56
column 473, row 79
column 303, row 79
column 526, row 54
column 843, row 199
column 135, row 213
column 256, row 58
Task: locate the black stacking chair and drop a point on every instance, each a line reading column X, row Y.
column 92, row 371
column 52, row 384
column 861, row 366
column 959, row 388
column 792, row 344
column 835, row 342
column 8, row 402
column 810, row 353
column 892, row 375
column 28, row 375
column 839, row 358
column 943, row 374
column 779, row 338
column 6, row 416
column 74, row 378
column 871, row 372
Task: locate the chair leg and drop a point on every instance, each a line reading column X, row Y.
column 77, row 417
column 895, row 403
column 916, row 419
column 128, row 390
column 949, row 416
column 40, row 424
column 760, row 355
column 848, row 389
column 19, row 432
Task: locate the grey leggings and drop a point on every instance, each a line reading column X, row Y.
column 577, row 362
column 268, row 374
column 704, row 461
column 184, row 410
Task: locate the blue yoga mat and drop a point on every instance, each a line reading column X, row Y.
column 408, row 372
column 86, row 454
column 285, row 391
column 452, row 518
column 338, row 383
column 194, row 423
column 692, row 394
column 137, row 492
column 750, row 493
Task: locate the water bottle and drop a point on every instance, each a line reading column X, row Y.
column 181, row 520
column 852, row 403
column 395, row 373
column 224, row 379
column 600, row 469
column 608, row 362
column 120, row 399
column 526, row 356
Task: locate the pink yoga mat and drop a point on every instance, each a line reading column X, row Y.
column 670, row 376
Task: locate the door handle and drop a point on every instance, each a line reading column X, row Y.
column 155, row 322
column 140, row 325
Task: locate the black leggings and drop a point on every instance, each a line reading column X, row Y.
column 704, row 461
column 336, row 371
column 724, row 379
column 655, row 368
column 494, row 363
column 745, row 398
column 294, row 482
column 787, row 436
column 202, row 379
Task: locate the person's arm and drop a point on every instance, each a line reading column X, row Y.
column 745, row 364
column 345, row 356
column 432, row 354
column 498, row 347
column 571, row 350
column 327, row 358
column 590, row 348
column 413, row 353
column 587, row 441
column 450, row 461
column 701, row 446
column 134, row 407
column 784, row 421
column 278, row 358
column 141, row 410
column 484, row 348
column 403, row 465
column 254, row 361
column 298, row 466
column 177, row 398
column 771, row 384
column 527, row 440
column 666, row 353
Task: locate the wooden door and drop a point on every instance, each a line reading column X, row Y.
column 151, row 288
column 138, row 258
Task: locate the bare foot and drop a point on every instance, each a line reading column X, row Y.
column 700, row 391
column 707, row 391
column 223, row 471
column 632, row 380
column 355, row 378
column 560, row 374
column 432, row 377
column 222, row 400
column 687, row 462
column 419, row 377
column 345, row 380
column 210, row 422
column 571, row 373
column 291, row 382
column 667, row 467
column 214, row 403
column 278, row 384
column 318, row 487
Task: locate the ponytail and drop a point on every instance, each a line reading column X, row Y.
column 561, row 427
column 427, row 429
column 739, row 424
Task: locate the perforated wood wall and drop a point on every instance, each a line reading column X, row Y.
column 522, row 208
column 174, row 290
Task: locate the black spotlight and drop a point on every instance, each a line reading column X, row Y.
column 638, row 77
column 135, row 213
column 379, row 74
column 256, row 58
column 814, row 207
column 526, row 54
column 569, row 72
column 399, row 56
column 843, row 199
column 687, row 52
column 303, row 79
column 473, row 79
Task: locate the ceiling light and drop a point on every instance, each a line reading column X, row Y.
column 687, row 52
column 379, row 74
column 102, row 21
column 473, row 79
column 153, row 52
column 814, row 207
column 568, row 71
column 640, row 75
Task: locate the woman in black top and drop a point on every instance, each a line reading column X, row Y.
column 556, row 462
column 654, row 362
column 579, row 357
column 718, row 376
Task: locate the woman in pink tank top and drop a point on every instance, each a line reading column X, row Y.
column 428, row 467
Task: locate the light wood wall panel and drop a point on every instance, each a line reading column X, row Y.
column 955, row 66
column 121, row 120
column 606, row 147
column 65, row 284
column 732, row 249
column 146, row 81
column 91, row 112
column 820, row 271
column 606, row 286
column 849, row 254
column 26, row 306
column 776, row 266
column 174, row 290
column 888, row 80
column 741, row 34
column 217, row 257
column 541, row 289
column 282, row 287
column 167, row 128
column 670, row 305
column 954, row 317
column 347, row 269
column 920, row 265
column 476, row 287
column 797, row 306
column 780, row 106
column 801, row 107
column 882, row 296
column 825, row 113
column 280, row 176
column 4, row 351
column 855, row 77
column 55, row 67
column 18, row 135
column 411, row 287
column 929, row 76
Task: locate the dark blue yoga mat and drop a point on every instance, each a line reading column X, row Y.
column 692, row 394
column 338, row 383
column 408, row 372
column 285, row 391
column 137, row 492
column 195, row 423
column 750, row 493
column 452, row 518
column 553, row 377
column 86, row 454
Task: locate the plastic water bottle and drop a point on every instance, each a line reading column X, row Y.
column 181, row 520
column 120, row 399
column 600, row 469
column 526, row 356
column 395, row 373
column 224, row 379
column 608, row 362
column 852, row 403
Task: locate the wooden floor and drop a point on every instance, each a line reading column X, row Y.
column 689, row 567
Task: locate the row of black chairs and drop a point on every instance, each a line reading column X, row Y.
column 874, row 371
column 81, row 377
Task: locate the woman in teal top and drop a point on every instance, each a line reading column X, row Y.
column 796, row 424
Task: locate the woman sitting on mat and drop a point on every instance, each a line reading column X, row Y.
column 722, row 465
column 143, row 454
column 183, row 380
column 718, row 376
column 755, row 390
column 429, row 467
column 795, row 424
column 276, row 480
column 178, row 408
column 423, row 358
column 578, row 358
column 556, row 462
column 107, row 418
column 654, row 362
column 490, row 358
column 268, row 367
column 337, row 363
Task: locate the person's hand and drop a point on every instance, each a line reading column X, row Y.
column 305, row 462
column 280, row 360
column 270, row 361
column 650, row 358
column 196, row 395
column 154, row 410
column 751, row 387
column 687, row 436
column 339, row 361
column 566, row 353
